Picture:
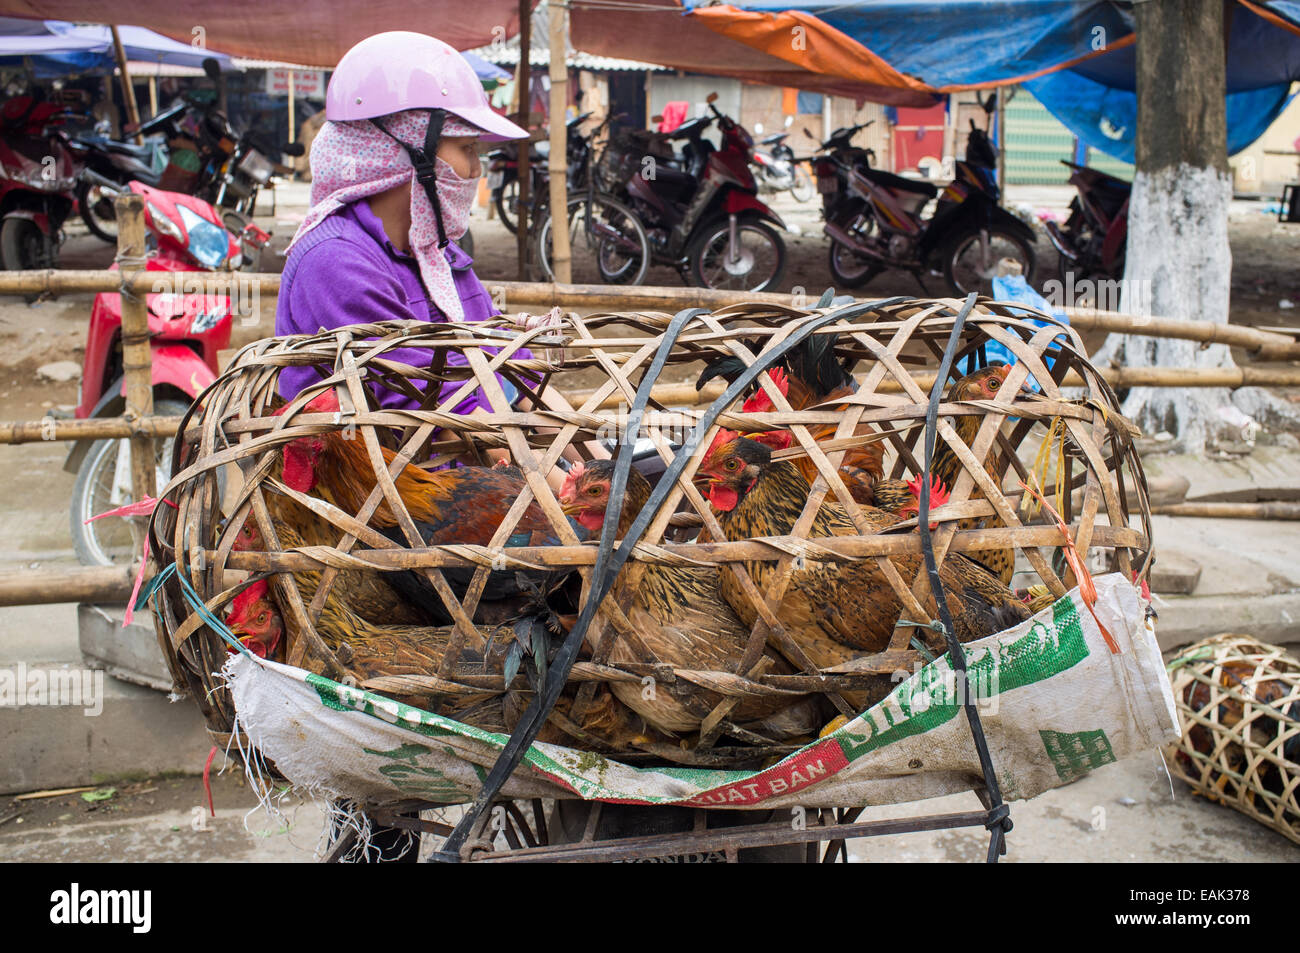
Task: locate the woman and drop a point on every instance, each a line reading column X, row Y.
column 395, row 170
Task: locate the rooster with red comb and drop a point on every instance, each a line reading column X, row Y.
column 254, row 620
column 835, row 610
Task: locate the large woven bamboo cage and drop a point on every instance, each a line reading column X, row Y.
column 1238, row 701
column 594, row 365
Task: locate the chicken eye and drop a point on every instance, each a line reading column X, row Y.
column 731, row 464
column 594, row 491
column 994, row 384
column 261, row 619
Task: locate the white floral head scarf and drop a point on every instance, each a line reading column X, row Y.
column 353, row 160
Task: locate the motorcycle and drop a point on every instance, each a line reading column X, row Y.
column 835, row 158
column 190, row 147
column 37, row 183
column 1093, row 241
column 778, row 171
column 881, row 224
column 186, row 332
column 702, row 213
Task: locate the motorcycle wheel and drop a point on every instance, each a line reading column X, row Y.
column 507, row 203
column 759, row 265
column 607, row 243
column 964, row 265
column 802, row 190
column 97, row 212
column 23, row 246
column 103, row 483
column 848, row 269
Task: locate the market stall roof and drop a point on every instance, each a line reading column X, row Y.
column 1076, row 56
column 54, row 48
column 313, row 32
column 660, row 31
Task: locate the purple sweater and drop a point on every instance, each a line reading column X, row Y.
column 346, row 271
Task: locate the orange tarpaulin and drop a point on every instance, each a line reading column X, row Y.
column 658, row 31
column 808, row 43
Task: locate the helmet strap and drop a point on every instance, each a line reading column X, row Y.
column 425, row 162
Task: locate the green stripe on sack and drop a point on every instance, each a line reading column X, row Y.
column 573, row 770
column 931, row 697
column 920, row 704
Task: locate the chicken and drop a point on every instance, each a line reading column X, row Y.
column 462, row 505
column 682, row 619
column 365, row 590
column 946, row 467
column 377, row 652
column 811, row 376
column 255, row 621
column 836, row 611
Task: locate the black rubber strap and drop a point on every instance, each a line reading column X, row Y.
column 998, row 820
column 609, row 563
column 425, row 162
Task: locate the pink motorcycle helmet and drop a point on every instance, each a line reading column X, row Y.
column 399, row 70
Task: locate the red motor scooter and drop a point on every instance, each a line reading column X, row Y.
column 187, row 329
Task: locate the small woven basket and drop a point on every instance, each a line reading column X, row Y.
column 1239, row 703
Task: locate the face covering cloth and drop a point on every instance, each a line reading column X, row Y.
column 354, row 160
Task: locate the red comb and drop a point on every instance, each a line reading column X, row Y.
column 246, row 599
column 938, row 492
column 724, row 436
column 760, row 403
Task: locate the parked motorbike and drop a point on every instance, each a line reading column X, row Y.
column 835, row 159
column 1095, row 236
column 186, row 331
column 37, row 183
column 778, row 171
column 190, row 147
column 702, row 213
column 882, row 224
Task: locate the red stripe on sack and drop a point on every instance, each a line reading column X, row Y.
column 821, row 761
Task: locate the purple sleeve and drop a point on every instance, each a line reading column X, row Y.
column 338, row 283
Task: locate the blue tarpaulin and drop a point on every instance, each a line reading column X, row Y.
column 1076, row 56
column 54, row 48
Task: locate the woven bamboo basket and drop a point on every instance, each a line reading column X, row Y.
column 1097, row 485
column 1239, row 704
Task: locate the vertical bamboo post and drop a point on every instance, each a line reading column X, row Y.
column 128, row 91
column 292, row 113
column 561, row 254
column 137, row 358
column 523, row 84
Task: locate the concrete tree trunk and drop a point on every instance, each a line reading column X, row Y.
column 1178, row 261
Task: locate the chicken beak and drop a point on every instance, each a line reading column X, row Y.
column 572, row 508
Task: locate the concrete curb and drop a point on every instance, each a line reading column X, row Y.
column 1187, row 619
column 137, row 732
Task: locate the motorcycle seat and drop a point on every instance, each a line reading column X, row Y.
column 898, row 183
column 123, row 148
column 773, row 139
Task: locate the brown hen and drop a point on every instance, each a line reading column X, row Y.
column 836, row 611
column 682, row 619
